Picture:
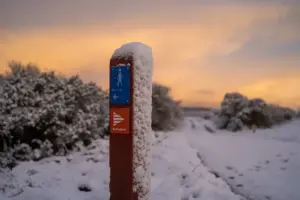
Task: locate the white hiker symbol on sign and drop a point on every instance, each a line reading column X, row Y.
column 119, row 79
column 117, row 119
column 120, row 84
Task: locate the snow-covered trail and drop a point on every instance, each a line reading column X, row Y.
column 177, row 174
column 264, row 165
column 182, row 176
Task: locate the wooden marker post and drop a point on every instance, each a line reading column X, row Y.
column 131, row 69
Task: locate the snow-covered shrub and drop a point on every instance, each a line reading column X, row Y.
column 36, row 107
column 221, row 121
column 237, row 111
column 44, row 114
column 22, row 152
column 256, row 113
column 232, row 105
column 166, row 112
column 280, row 114
column 208, row 115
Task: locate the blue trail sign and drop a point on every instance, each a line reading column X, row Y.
column 120, row 85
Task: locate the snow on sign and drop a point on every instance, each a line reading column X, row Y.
column 120, row 122
column 120, row 85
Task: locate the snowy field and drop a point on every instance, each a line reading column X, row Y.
column 190, row 164
column 264, row 164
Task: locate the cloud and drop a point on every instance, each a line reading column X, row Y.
column 215, row 45
column 283, row 90
column 65, row 13
column 277, row 38
column 260, row 49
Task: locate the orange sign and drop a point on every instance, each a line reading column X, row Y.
column 119, row 120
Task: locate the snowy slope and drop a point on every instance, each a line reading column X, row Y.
column 264, row 164
column 177, row 174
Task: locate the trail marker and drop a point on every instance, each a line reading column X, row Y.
column 120, row 84
column 120, row 120
column 130, row 69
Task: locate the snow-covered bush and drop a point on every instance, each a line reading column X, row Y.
column 44, row 114
column 39, row 109
column 166, row 112
column 232, row 104
column 237, row 112
column 280, row 114
column 298, row 113
column 208, row 116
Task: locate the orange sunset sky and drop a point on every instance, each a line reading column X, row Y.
column 202, row 48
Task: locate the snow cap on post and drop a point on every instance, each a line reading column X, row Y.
column 142, row 110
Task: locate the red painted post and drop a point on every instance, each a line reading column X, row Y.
column 130, row 122
column 121, row 133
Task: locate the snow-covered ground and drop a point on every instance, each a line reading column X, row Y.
column 177, row 175
column 264, row 165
